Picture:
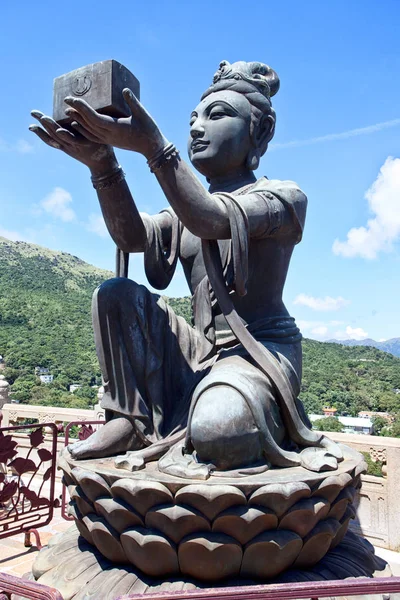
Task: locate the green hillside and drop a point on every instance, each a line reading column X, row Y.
column 45, row 300
column 45, row 320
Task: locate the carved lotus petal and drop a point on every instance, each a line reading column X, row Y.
column 345, row 497
column 279, row 497
column 92, row 484
column 150, row 552
column 176, row 521
column 210, row 499
column 82, row 501
column 118, row 514
column 142, row 495
column 316, row 544
column 105, row 538
column 330, row 487
column 304, row 515
column 54, row 554
column 270, row 553
column 210, row 557
column 71, row 579
column 349, row 514
column 361, row 468
column 84, row 526
column 107, row 585
column 245, row 522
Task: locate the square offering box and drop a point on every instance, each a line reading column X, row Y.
column 100, row 84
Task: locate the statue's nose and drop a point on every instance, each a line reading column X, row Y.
column 197, row 129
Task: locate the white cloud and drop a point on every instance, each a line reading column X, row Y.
column 322, row 304
column 96, row 225
column 57, row 205
column 321, row 330
column 331, row 137
column 351, row 333
column 384, row 228
column 24, row 147
column 14, row 236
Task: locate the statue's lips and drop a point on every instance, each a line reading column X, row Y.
column 198, row 145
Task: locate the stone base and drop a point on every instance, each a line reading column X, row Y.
column 79, row 571
column 250, row 527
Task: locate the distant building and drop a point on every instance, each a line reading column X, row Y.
column 329, row 412
column 361, row 425
column 74, row 386
column 41, row 371
column 46, row 378
column 369, row 414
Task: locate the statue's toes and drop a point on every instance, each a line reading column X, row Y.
column 78, row 450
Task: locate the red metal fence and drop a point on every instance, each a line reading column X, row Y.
column 27, row 482
column 285, row 591
column 362, row 586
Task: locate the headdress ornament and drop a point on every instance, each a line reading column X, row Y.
column 248, row 76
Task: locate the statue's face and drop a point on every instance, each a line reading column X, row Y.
column 220, row 140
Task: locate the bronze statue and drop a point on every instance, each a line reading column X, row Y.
column 221, row 395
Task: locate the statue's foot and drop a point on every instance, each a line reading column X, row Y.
column 115, row 437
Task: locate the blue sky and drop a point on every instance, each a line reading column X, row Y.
column 337, row 135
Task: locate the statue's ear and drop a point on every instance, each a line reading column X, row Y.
column 264, row 133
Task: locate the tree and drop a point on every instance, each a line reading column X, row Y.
column 379, row 423
column 328, row 424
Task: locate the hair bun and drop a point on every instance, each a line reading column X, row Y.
column 261, row 76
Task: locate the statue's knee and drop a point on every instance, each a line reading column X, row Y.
column 223, row 430
column 114, row 291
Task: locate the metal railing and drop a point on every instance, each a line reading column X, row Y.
column 27, row 483
column 284, row 591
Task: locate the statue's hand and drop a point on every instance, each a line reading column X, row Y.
column 86, row 149
column 139, row 132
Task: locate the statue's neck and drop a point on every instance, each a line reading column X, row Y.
column 231, row 182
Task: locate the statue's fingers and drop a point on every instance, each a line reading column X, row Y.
column 77, row 117
column 133, row 103
column 37, row 114
column 45, row 137
column 85, row 133
column 66, row 135
column 91, row 116
column 49, row 124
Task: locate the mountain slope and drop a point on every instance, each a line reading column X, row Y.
column 45, row 310
column 392, row 346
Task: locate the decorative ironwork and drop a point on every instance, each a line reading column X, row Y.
column 27, row 589
column 85, row 430
column 24, row 504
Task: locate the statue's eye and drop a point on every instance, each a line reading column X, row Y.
column 217, row 114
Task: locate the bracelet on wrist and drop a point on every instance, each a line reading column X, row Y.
column 102, row 182
column 163, row 157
